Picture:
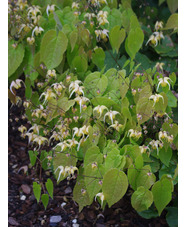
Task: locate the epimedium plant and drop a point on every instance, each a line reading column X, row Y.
column 101, row 111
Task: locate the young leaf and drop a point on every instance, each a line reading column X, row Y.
column 32, row 156
column 139, row 162
column 53, row 46
column 172, row 100
column 173, row 5
column 116, row 37
column 115, row 184
column 80, row 194
column 162, row 194
column 134, row 42
column 141, row 199
column 49, row 187
column 172, row 22
column 113, row 160
column 145, row 178
column 144, row 108
column 45, row 199
column 93, row 154
column 98, row 57
column 15, row 56
column 73, row 39
column 114, row 18
column 92, row 183
column 165, row 155
column 37, row 191
column 79, row 64
column 95, row 83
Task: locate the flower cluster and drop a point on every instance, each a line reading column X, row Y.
column 66, row 171
column 157, row 35
column 134, row 134
column 164, row 135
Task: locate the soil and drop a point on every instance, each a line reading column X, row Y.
column 23, row 209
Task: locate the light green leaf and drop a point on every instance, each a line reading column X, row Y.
column 98, row 57
column 126, row 15
column 134, row 42
column 79, row 64
column 172, row 100
column 73, row 39
column 53, row 46
column 141, row 199
column 124, row 86
column 113, row 159
column 15, row 57
column 94, row 134
column 64, row 104
column 49, row 187
column 172, row 22
column 52, row 106
column 45, row 199
column 139, row 162
column 115, row 184
column 95, row 84
column 37, row 191
column 32, row 156
column 162, row 194
column 80, row 194
column 145, row 178
column 85, row 36
column 144, row 108
column 172, row 76
column 173, row 5
column 165, row 156
column 115, row 78
column 29, row 69
column 92, row 184
column 114, row 18
column 93, row 154
column 116, row 37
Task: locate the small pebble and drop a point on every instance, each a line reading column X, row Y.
column 74, row 221
column 23, row 197
column 75, row 225
column 68, row 190
column 55, row 219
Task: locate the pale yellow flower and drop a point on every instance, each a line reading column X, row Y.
column 111, row 114
column 99, row 109
column 101, row 196
column 37, row 30
column 158, row 25
column 156, row 98
column 134, row 133
column 50, row 9
column 81, row 101
column 30, row 40
column 116, row 126
column 16, row 84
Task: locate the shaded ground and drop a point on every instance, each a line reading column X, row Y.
column 28, row 213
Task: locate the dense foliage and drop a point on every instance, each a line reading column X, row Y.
column 101, row 96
